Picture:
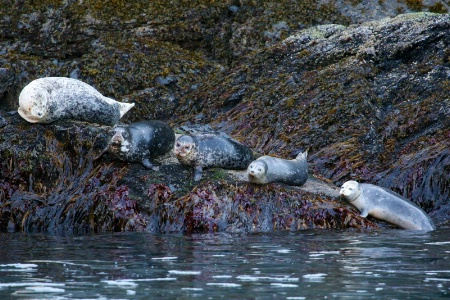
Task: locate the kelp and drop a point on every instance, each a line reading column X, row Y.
column 423, row 176
column 69, row 194
column 85, row 199
column 241, row 207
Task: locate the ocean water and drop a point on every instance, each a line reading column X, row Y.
column 311, row 264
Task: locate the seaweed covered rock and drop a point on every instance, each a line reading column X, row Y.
column 369, row 101
column 231, row 207
column 50, row 183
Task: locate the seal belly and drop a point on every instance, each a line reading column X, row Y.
column 410, row 219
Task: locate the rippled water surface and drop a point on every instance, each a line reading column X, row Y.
column 393, row 264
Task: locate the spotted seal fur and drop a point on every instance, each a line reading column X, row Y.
column 205, row 150
column 48, row 99
column 140, row 142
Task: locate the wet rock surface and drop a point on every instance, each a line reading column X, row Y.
column 368, row 98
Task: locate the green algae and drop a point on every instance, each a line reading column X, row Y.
column 414, row 4
column 438, row 8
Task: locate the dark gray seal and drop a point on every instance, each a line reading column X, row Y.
column 272, row 169
column 386, row 205
column 140, row 142
column 49, row 99
column 205, row 150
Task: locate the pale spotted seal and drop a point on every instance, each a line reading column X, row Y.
column 204, row 150
column 271, row 169
column 386, row 205
column 48, row 99
column 140, row 142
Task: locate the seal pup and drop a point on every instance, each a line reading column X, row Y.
column 205, row 150
column 386, row 205
column 140, row 142
column 48, row 99
column 272, row 169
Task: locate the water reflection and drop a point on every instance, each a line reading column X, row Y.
column 393, row 264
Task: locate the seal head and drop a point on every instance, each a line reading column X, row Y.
column 33, row 104
column 257, row 171
column 185, row 150
column 350, row 190
column 120, row 141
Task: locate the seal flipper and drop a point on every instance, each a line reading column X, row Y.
column 124, row 108
column 198, row 170
column 302, row 156
column 364, row 213
column 146, row 162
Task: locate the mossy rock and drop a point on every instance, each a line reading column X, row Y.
column 361, row 99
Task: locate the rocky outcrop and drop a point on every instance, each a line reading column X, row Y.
column 369, row 101
column 50, row 183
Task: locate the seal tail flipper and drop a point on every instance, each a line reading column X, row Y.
column 302, row 155
column 124, row 108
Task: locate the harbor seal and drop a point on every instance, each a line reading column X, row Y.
column 140, row 142
column 272, row 169
column 386, row 205
column 204, row 150
column 48, row 99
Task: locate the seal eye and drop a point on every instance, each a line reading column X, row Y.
column 178, row 144
column 186, row 147
column 259, row 169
